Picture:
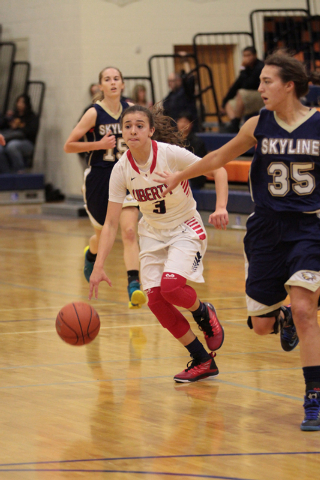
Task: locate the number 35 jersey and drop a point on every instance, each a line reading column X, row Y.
column 105, row 122
column 162, row 213
column 285, row 171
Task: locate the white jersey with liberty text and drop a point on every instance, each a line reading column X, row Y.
column 162, row 213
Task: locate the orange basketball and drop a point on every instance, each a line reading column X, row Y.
column 77, row 323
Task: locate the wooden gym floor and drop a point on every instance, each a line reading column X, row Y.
column 111, row 410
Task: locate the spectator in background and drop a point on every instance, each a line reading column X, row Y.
column 139, row 96
column 19, row 129
column 243, row 98
column 181, row 97
column 192, row 143
column 93, row 91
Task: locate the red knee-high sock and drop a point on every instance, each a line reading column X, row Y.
column 169, row 317
column 175, row 290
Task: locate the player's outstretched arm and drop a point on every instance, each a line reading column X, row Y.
column 220, row 218
column 107, row 238
column 87, row 121
column 213, row 160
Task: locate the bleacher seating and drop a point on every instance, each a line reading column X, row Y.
column 14, row 81
column 21, row 188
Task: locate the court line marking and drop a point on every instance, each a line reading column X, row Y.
column 141, row 472
column 160, row 457
column 46, row 307
column 157, row 324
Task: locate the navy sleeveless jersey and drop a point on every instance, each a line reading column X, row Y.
column 285, row 171
column 105, row 122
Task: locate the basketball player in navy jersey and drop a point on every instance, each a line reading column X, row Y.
column 282, row 244
column 172, row 236
column 104, row 146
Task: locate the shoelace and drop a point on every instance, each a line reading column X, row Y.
column 193, row 363
column 206, row 327
column 312, row 407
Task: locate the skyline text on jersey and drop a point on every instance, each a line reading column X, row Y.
column 113, row 127
column 290, row 146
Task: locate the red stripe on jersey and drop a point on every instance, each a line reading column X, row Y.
column 132, row 162
column 155, row 152
column 185, row 187
column 196, row 227
column 154, row 159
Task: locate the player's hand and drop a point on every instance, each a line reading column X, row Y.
column 219, row 219
column 2, row 140
column 98, row 275
column 108, row 141
column 171, row 181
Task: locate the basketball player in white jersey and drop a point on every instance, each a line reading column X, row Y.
column 172, row 236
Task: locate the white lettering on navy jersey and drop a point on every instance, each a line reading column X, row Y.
column 290, row 146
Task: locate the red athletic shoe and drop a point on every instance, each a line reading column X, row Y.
column 196, row 370
column 210, row 325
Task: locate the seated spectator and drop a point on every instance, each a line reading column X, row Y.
column 139, row 96
column 243, row 98
column 19, row 129
column 192, row 143
column 181, row 97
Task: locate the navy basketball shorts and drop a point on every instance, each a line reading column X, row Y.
column 282, row 250
column 96, row 194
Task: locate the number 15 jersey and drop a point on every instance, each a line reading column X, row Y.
column 285, row 171
column 162, row 213
column 106, row 122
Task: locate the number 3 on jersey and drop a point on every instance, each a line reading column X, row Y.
column 304, row 182
column 160, row 207
column 110, row 155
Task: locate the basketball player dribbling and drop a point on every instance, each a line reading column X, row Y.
column 282, row 244
column 104, row 146
column 172, row 236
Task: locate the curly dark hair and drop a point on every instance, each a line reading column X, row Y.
column 165, row 127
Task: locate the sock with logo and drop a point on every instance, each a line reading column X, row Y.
column 197, row 350
column 312, row 378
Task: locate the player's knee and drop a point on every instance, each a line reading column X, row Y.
column 171, row 285
column 128, row 234
column 261, row 326
column 175, row 290
column 168, row 316
column 304, row 315
column 265, row 324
